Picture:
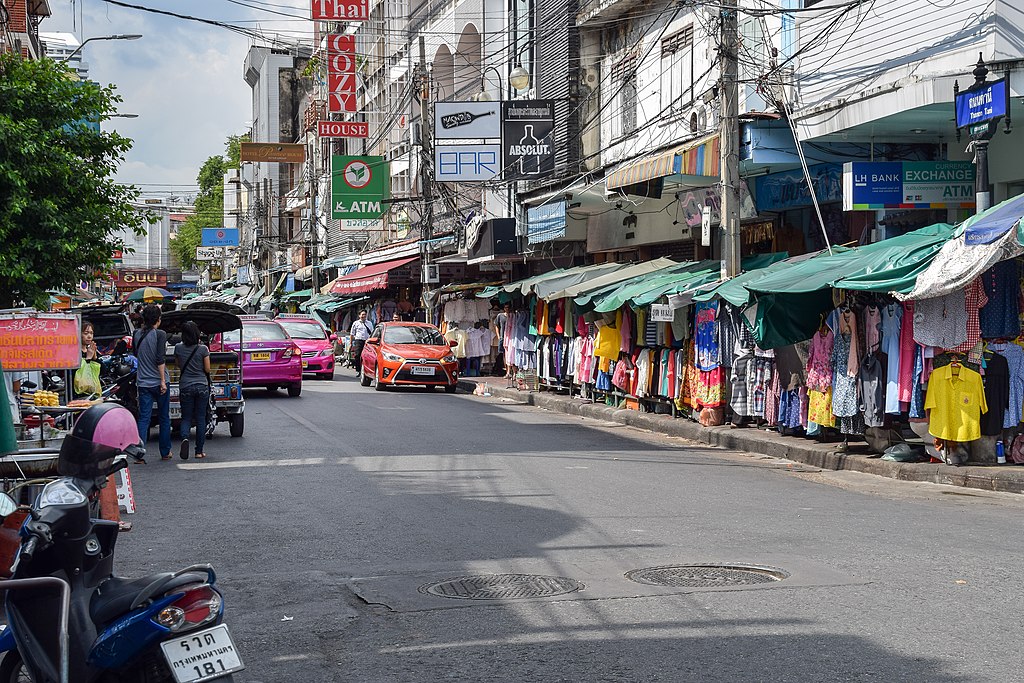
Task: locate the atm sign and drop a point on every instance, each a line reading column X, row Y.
column 343, row 129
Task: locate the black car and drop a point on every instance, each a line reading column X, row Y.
column 110, row 324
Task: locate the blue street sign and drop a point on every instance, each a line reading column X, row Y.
column 220, row 237
column 985, row 103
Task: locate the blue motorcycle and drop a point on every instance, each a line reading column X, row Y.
column 70, row 620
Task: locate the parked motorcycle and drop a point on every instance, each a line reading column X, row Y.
column 118, row 378
column 70, row 619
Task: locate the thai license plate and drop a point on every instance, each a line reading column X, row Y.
column 175, row 413
column 174, row 391
column 305, row 364
column 259, row 356
column 422, row 370
column 202, row 656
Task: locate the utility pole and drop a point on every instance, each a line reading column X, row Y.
column 314, row 223
column 426, row 184
column 729, row 143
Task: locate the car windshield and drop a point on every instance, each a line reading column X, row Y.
column 109, row 326
column 257, row 332
column 304, row 330
column 398, row 334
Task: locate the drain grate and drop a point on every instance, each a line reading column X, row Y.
column 706, row 575
column 501, row 587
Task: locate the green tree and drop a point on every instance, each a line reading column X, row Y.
column 234, row 150
column 60, row 209
column 209, row 211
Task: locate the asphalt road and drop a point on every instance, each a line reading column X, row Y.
column 331, row 517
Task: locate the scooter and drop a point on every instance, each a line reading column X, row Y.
column 118, row 377
column 70, row 620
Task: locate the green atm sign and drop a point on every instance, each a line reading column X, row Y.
column 359, row 187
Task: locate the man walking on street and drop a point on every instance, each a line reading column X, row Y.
column 361, row 330
column 150, row 347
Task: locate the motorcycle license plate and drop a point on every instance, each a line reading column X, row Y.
column 202, row 656
column 422, row 370
column 259, row 356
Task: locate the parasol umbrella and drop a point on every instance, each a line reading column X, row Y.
column 150, row 295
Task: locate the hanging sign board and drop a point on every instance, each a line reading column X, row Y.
column 220, row 237
column 705, row 226
column 340, row 10
column 341, row 73
column 209, row 253
column 528, row 138
column 454, row 163
column 662, row 313
column 273, row 152
column 873, row 185
column 359, row 186
column 342, row 129
column 455, row 120
column 40, row 341
column 987, row 102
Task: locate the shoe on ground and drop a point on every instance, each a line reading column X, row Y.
column 183, row 451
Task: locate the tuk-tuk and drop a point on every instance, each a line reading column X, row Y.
column 225, row 366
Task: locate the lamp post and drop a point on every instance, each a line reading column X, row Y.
column 116, row 36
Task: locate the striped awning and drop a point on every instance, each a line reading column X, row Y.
column 699, row 158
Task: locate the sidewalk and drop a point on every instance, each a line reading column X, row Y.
column 1005, row 478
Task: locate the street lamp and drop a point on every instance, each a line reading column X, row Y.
column 116, row 36
column 519, row 78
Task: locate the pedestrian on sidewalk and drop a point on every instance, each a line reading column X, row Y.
column 361, row 330
column 150, row 347
column 193, row 359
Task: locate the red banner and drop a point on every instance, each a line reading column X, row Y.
column 133, row 279
column 40, row 342
column 341, row 10
column 341, row 73
column 343, row 129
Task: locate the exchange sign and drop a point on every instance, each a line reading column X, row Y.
column 359, row 186
column 220, row 237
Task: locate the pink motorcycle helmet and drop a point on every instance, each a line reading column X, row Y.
column 101, row 433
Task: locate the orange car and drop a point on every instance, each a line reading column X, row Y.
column 403, row 353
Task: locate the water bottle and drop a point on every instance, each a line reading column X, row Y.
column 1000, row 453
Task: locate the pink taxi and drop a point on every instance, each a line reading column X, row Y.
column 316, row 342
column 270, row 357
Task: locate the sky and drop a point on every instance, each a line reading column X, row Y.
column 182, row 78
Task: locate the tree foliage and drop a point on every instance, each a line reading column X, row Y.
column 209, row 204
column 60, row 209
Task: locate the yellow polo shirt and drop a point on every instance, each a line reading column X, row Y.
column 955, row 404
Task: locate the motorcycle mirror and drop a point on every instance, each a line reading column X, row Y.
column 7, row 505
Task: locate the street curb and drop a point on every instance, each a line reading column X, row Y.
column 1004, row 479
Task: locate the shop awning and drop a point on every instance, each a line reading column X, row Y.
column 614, row 296
column 366, row 279
column 696, row 158
column 990, row 225
column 582, row 292
column 301, row 294
column 573, row 276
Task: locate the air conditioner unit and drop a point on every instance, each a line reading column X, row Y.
column 431, row 274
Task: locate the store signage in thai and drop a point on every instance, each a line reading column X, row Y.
column 987, row 102
column 342, row 129
column 528, row 138
column 359, row 186
column 135, row 278
column 546, row 222
column 872, row 185
column 467, row 120
column 340, row 10
column 458, row 163
column 789, row 190
column 220, row 237
column 43, row 341
column 273, row 152
column 341, row 73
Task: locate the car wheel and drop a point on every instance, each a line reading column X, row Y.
column 294, row 390
column 377, row 385
column 363, row 379
column 450, row 388
column 237, row 424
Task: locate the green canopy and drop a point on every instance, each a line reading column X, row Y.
column 653, row 286
column 291, row 296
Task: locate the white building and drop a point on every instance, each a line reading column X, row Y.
column 59, row 46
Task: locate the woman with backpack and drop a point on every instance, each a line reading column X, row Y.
column 193, row 359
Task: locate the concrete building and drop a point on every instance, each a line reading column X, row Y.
column 19, row 26
column 60, row 46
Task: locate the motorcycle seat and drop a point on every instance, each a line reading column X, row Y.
column 115, row 596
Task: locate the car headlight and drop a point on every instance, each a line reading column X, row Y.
column 327, row 352
column 391, row 357
column 450, row 358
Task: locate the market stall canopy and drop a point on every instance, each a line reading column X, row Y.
column 968, row 253
column 734, row 289
column 614, row 296
column 301, row 294
column 581, row 293
column 366, row 279
column 573, row 276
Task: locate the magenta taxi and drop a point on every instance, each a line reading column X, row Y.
column 316, row 342
column 270, row 357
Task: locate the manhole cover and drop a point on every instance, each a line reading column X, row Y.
column 706, row 575
column 501, row 587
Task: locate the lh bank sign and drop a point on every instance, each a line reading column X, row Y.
column 875, row 185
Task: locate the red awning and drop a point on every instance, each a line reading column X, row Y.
column 368, row 278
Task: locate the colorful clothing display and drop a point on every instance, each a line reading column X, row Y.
column 999, row 318
column 955, row 402
column 892, row 321
column 706, row 324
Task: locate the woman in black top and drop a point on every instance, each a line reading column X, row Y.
column 193, row 360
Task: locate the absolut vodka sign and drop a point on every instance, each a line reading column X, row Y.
column 528, row 139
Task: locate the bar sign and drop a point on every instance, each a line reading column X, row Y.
column 343, row 129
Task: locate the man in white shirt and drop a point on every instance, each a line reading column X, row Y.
column 360, row 331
